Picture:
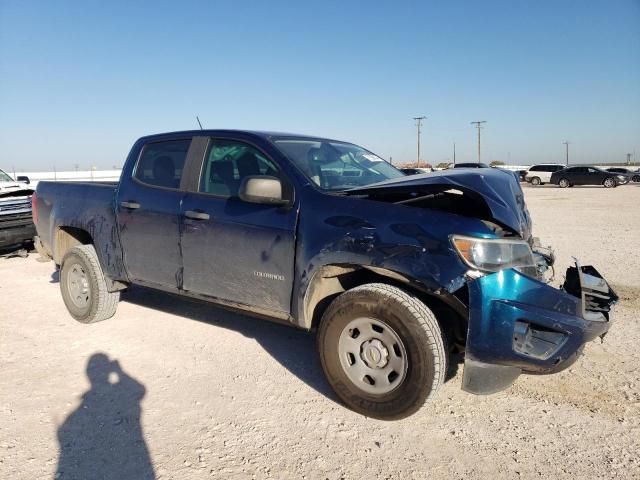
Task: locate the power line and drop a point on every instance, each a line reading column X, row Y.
column 419, row 125
column 478, row 124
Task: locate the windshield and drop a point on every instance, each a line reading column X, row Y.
column 5, row 177
column 336, row 165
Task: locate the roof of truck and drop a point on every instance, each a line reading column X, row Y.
column 256, row 133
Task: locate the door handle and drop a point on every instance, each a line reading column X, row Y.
column 195, row 215
column 130, row 205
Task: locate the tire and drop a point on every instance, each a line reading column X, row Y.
column 83, row 286
column 609, row 182
column 535, row 181
column 635, row 178
column 563, row 183
column 409, row 342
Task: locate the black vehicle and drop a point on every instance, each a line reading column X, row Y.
column 471, row 165
column 521, row 175
column 633, row 176
column 416, row 170
column 587, row 175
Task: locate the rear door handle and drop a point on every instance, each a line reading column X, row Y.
column 130, row 205
column 195, row 215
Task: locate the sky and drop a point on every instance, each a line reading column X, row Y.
column 81, row 80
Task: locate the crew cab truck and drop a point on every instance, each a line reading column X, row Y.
column 393, row 272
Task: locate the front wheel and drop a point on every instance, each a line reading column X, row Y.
column 535, row 181
column 609, row 182
column 382, row 351
column 83, row 286
column 563, row 183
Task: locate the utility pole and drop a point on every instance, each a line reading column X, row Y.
column 628, row 159
column 566, row 144
column 478, row 124
column 419, row 125
column 454, row 153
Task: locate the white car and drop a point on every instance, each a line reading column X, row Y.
column 541, row 173
column 16, row 226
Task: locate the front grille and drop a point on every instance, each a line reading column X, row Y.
column 15, row 220
column 8, row 207
column 587, row 284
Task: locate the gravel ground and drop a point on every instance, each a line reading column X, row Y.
column 183, row 390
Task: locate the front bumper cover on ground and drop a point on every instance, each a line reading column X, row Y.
column 520, row 325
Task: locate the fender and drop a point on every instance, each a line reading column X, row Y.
column 329, row 281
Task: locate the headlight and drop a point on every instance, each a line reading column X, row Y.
column 493, row 255
column 620, row 177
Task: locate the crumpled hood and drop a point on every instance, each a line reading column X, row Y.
column 11, row 186
column 14, row 189
column 499, row 189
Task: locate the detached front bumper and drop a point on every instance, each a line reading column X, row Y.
column 518, row 324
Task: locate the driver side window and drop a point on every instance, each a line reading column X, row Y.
column 228, row 162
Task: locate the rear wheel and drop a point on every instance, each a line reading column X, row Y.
column 382, row 351
column 535, row 181
column 563, row 183
column 83, row 286
column 609, row 182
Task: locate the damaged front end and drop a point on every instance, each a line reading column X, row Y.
column 520, row 324
column 517, row 321
column 16, row 223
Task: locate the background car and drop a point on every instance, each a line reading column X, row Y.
column 587, row 175
column 633, row 176
column 521, row 174
column 471, row 165
column 541, row 173
column 415, row 170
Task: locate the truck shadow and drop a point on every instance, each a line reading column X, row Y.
column 293, row 349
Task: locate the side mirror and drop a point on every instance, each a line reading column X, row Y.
column 23, row 179
column 262, row 189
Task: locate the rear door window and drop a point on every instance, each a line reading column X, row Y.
column 161, row 163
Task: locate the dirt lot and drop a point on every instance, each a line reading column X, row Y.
column 190, row 391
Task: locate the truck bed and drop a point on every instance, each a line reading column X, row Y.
column 87, row 206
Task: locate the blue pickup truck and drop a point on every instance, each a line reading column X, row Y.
column 395, row 273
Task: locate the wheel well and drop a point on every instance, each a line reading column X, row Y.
column 331, row 281
column 67, row 238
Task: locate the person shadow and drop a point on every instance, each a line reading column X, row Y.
column 103, row 438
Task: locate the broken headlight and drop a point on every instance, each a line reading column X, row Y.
column 494, row 254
